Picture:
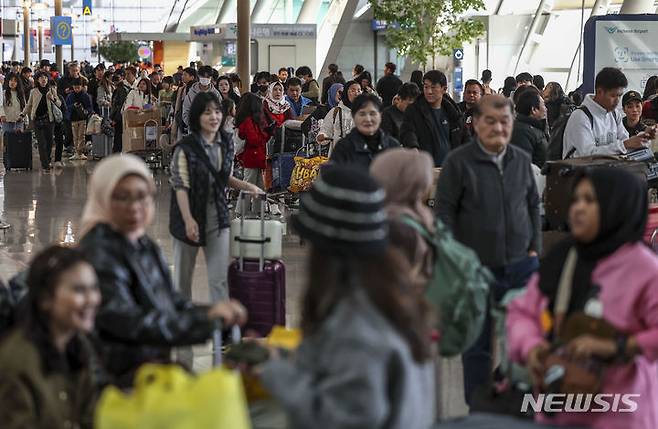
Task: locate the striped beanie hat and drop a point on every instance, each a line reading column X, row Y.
column 344, row 212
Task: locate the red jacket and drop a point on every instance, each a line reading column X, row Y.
column 255, row 151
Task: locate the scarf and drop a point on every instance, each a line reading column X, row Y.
column 277, row 107
column 333, row 90
column 105, row 178
column 623, row 212
column 346, row 98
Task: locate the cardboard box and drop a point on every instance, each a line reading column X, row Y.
column 137, row 118
column 133, row 139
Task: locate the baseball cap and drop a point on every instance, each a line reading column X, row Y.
column 631, row 96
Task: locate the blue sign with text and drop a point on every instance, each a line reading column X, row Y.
column 60, row 29
column 459, row 79
column 86, row 7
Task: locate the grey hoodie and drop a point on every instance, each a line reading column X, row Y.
column 189, row 98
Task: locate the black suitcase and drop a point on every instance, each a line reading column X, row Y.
column 18, row 150
column 559, row 181
column 288, row 138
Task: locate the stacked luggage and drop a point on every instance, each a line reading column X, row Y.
column 287, row 142
column 257, row 276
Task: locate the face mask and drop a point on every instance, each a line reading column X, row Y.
column 205, row 81
column 262, row 88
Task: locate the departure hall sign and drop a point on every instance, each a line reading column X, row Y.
column 209, row 33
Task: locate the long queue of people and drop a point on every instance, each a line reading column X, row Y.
column 366, row 358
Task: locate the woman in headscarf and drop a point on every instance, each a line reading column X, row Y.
column 406, row 176
column 335, row 93
column 611, row 278
column 338, row 122
column 141, row 316
column 275, row 104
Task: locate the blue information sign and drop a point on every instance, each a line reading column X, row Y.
column 60, row 29
column 459, row 79
column 458, row 54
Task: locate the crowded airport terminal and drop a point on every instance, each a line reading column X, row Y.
column 413, row 214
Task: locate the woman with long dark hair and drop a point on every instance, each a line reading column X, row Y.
column 255, row 129
column 509, row 86
column 13, row 104
column 650, row 89
column 225, row 88
column 105, row 91
column 39, row 109
column 365, row 360
column 47, row 365
column 557, row 103
column 339, row 122
column 141, row 97
column 593, row 307
column 417, row 78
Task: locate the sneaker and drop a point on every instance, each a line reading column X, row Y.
column 83, row 157
column 58, row 164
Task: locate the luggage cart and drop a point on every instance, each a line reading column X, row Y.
column 152, row 153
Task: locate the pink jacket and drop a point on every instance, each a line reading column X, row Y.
column 629, row 294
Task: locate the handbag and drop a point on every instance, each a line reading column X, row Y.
column 238, row 142
column 57, row 113
column 563, row 373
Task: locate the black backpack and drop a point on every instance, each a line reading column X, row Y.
column 556, row 145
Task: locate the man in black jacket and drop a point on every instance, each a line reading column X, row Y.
column 388, row 86
column 530, row 126
column 473, row 91
column 393, row 116
column 118, row 99
column 488, row 197
column 433, row 123
column 94, row 82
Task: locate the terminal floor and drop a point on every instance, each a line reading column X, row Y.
column 45, row 208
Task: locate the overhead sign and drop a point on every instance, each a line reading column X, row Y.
column 60, row 28
column 458, row 54
column 202, row 33
column 205, row 33
column 86, row 7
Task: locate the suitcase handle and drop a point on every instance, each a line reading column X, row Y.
column 236, row 336
column 243, row 198
column 252, row 240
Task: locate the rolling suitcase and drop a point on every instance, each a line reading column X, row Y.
column 259, row 285
column 559, row 181
column 101, row 145
column 18, row 150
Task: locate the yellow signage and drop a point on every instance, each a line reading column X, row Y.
column 86, row 10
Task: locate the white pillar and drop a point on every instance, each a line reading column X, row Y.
column 637, row 6
column 309, row 12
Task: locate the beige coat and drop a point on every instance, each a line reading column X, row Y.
column 30, row 109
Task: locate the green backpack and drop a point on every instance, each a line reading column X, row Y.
column 458, row 289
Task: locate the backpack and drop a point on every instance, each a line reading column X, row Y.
column 556, row 144
column 458, row 289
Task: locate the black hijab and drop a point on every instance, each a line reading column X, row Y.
column 346, row 98
column 623, row 211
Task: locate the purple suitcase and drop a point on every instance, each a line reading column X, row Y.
column 259, row 285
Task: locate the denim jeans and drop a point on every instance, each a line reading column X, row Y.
column 477, row 360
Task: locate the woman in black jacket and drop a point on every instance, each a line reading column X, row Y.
column 557, row 103
column 141, row 316
column 366, row 140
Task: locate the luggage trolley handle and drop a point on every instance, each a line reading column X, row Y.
column 243, row 198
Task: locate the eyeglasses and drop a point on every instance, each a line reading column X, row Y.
column 128, row 200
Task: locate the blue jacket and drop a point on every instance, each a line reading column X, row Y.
column 298, row 108
column 73, row 114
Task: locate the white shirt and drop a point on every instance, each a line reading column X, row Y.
column 605, row 136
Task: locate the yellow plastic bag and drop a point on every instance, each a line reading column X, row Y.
column 304, row 172
column 280, row 337
column 167, row 397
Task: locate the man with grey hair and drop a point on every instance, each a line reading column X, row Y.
column 488, row 197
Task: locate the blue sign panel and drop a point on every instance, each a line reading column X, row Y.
column 378, row 24
column 86, row 7
column 60, row 29
column 459, row 79
column 458, row 54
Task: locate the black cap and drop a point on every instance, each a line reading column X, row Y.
column 631, row 96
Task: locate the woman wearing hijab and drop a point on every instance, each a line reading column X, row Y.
column 275, row 104
column 365, row 360
column 335, row 93
column 141, row 316
column 611, row 278
column 367, row 139
column 338, row 122
column 406, row 176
